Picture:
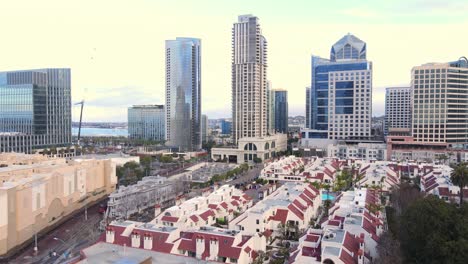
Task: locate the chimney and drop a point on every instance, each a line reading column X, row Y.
column 157, row 210
column 214, row 248
column 379, row 230
column 147, row 241
column 110, row 235
column 135, row 240
column 199, row 246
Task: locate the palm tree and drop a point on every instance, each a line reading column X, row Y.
column 459, row 176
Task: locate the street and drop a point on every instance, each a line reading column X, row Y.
column 73, row 235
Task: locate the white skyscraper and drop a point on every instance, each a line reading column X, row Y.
column 249, row 80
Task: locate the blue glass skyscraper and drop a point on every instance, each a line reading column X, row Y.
column 281, row 111
column 341, row 92
column 183, row 93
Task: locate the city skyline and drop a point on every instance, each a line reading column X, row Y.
column 418, row 32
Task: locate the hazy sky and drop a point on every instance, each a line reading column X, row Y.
column 116, row 48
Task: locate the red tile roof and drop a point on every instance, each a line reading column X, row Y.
column 247, row 249
column 207, row 214
column 194, row 218
column 351, row 243
column 247, row 197
column 281, row 216
column 312, row 238
column 299, row 205
column 235, row 203
column 224, row 205
column 170, row 219
column 347, row 258
column 213, row 206
column 296, row 211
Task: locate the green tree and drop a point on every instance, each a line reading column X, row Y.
column 433, row 231
column 166, row 159
column 459, row 177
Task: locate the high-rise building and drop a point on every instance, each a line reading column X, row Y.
column 35, row 109
column 204, row 128
column 398, row 101
column 307, row 117
column 440, row 103
column 225, row 126
column 340, row 105
column 281, row 110
column 249, row 79
column 147, row 122
column 270, row 108
column 183, row 93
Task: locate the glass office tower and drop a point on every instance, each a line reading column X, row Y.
column 35, row 109
column 341, row 92
column 281, row 111
column 183, row 94
column 147, row 122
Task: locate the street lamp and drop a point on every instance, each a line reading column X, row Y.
column 64, row 243
column 61, row 240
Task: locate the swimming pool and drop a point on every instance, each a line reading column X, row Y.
column 326, row 196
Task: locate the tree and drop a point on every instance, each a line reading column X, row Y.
column 257, row 160
column 433, row 231
column 388, row 250
column 459, row 177
column 166, row 159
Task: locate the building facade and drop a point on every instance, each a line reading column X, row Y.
column 341, row 92
column 183, row 93
column 42, row 191
column 440, row 103
column 252, row 149
column 307, row 115
column 35, row 109
column 204, row 128
column 270, row 108
column 147, row 122
column 225, row 126
column 281, row 110
column 398, row 110
column 249, row 79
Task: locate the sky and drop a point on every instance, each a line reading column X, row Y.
column 115, row 49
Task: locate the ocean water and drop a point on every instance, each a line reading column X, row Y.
column 109, row 132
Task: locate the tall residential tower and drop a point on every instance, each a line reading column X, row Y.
column 183, row 93
column 249, row 80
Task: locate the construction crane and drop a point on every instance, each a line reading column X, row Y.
column 81, row 116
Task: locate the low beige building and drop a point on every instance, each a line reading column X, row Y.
column 37, row 192
column 251, row 148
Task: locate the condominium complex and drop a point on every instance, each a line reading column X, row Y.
column 147, row 122
column 183, row 93
column 398, row 110
column 281, row 110
column 35, row 109
column 37, row 192
column 249, row 79
column 440, row 96
column 341, row 92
